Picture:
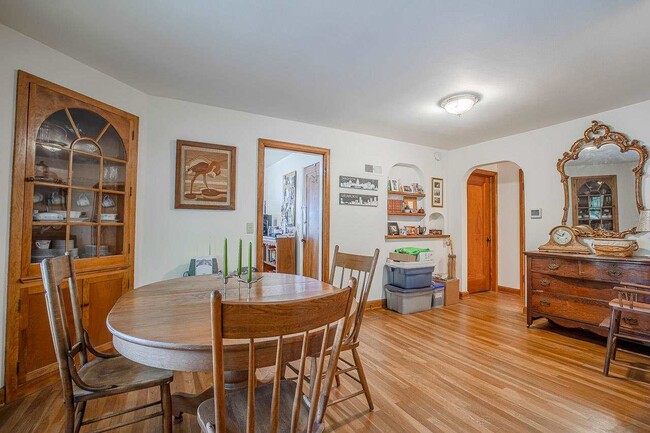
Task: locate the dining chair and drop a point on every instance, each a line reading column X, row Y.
column 290, row 330
column 633, row 300
column 363, row 267
column 84, row 379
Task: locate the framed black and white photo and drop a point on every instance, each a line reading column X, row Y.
column 437, row 192
column 393, row 229
column 393, row 185
column 407, row 188
column 362, row 183
column 348, row 199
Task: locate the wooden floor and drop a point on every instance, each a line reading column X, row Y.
column 472, row 367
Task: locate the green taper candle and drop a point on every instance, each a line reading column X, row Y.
column 250, row 262
column 239, row 260
column 225, row 257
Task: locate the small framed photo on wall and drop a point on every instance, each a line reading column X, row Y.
column 437, row 197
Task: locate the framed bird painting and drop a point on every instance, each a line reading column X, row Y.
column 205, row 175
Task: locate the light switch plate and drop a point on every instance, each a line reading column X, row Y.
column 249, row 228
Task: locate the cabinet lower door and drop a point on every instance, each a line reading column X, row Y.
column 36, row 357
column 99, row 295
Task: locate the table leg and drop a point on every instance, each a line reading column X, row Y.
column 183, row 402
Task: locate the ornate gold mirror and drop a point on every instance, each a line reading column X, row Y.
column 601, row 175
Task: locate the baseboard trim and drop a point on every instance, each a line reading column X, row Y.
column 377, row 303
column 2, row 396
column 506, row 289
column 463, row 295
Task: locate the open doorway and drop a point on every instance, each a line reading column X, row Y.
column 495, row 228
column 293, row 209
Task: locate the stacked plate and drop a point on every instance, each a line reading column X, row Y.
column 91, row 251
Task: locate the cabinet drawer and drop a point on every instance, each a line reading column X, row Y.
column 615, row 272
column 567, row 307
column 635, row 323
column 553, row 266
column 569, row 286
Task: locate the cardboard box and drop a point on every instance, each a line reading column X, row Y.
column 399, row 257
column 425, row 257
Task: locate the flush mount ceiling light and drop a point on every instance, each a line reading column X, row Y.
column 459, row 104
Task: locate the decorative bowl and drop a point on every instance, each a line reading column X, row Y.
column 615, row 247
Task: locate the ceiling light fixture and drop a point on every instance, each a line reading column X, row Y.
column 459, row 104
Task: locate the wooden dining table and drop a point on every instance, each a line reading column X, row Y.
column 167, row 325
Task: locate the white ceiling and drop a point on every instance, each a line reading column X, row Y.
column 373, row 66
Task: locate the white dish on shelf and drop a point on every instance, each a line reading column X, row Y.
column 108, row 217
column 79, row 220
column 48, row 216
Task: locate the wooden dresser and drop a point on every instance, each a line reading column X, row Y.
column 574, row 290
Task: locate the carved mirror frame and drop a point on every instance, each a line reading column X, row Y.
column 598, row 135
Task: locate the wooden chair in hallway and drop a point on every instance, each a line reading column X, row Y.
column 633, row 300
column 362, row 268
column 290, row 330
column 106, row 375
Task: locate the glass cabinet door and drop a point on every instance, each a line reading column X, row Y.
column 78, row 187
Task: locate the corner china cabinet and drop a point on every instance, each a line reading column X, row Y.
column 73, row 190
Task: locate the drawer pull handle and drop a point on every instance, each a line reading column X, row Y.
column 553, row 266
column 545, row 303
column 544, row 282
column 630, row 321
column 614, row 273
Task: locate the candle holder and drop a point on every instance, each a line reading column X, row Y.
column 249, row 284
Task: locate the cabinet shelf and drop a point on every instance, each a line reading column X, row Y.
column 407, row 214
column 391, row 237
column 407, row 194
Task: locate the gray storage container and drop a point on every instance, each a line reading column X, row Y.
column 413, row 278
column 438, row 298
column 406, row 301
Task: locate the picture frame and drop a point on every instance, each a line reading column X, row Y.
column 437, row 192
column 393, row 229
column 288, row 207
column 205, row 176
column 348, row 199
column 359, row 183
column 407, row 188
column 393, row 185
column 411, row 230
column 417, row 188
column 410, row 203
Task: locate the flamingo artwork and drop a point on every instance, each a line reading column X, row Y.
column 204, row 169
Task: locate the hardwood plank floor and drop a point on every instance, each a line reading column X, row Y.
column 471, row 367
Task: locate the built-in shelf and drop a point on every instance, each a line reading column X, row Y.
column 408, row 214
column 391, row 237
column 407, row 194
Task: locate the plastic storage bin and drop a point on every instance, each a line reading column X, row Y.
column 438, row 298
column 410, row 275
column 407, row 301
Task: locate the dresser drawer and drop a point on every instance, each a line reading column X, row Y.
column 568, row 307
column 615, row 272
column 635, row 323
column 555, row 266
column 570, row 286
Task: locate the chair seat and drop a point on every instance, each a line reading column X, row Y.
column 122, row 372
column 639, row 307
column 236, row 403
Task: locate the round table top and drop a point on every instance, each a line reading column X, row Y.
column 167, row 324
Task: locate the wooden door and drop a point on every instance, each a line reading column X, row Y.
column 311, row 224
column 99, row 295
column 481, row 231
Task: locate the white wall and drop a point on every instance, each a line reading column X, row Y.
column 537, row 152
column 273, row 175
column 508, row 221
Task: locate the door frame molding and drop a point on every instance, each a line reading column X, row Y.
column 493, row 180
column 522, row 236
column 264, row 144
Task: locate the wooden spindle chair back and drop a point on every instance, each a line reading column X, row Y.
column 70, row 348
column 269, row 329
column 345, row 266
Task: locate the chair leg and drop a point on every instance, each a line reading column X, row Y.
column 166, row 402
column 617, row 329
column 70, row 418
column 79, row 416
column 610, row 341
column 312, row 374
column 362, row 377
